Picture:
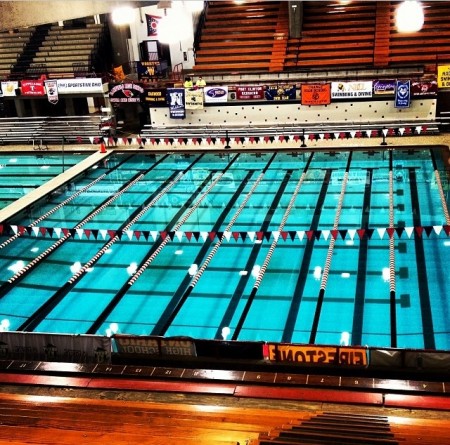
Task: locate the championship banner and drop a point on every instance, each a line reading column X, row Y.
column 156, row 97
column 55, row 347
column 353, row 90
column 126, row 92
column 147, row 70
column 384, row 87
column 443, row 76
column 250, row 93
column 281, row 92
column 312, row 354
column 316, row 94
column 194, row 99
column 32, row 88
column 175, row 98
column 216, row 94
column 152, row 24
column 9, row 88
column 424, row 88
column 403, row 94
column 52, row 91
column 78, row 85
column 149, row 346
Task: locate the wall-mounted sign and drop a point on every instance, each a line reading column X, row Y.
column 126, row 92
column 78, row 85
column 250, row 93
column 216, row 94
column 156, row 97
column 352, row 90
column 316, row 94
column 32, row 88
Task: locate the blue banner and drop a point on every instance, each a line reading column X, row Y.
column 176, row 101
column 403, row 94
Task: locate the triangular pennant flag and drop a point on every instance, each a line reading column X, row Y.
column 119, row 234
column 321, row 136
column 300, row 234
column 227, row 235
column 219, row 235
column 146, row 234
column 334, row 233
column 87, row 232
column 384, row 131
column 292, row 234
column 390, row 231
column 95, row 233
column 251, row 235
column 267, row 235
column 419, row 231
column 204, row 235
column 325, row 234
column 91, row 139
column 14, row 228
column 428, row 230
column 163, row 234
column 259, row 235
column 43, row 231
column 284, row 235
column 171, row 235
column 111, row 233
column 179, row 235
column 137, row 234
column 50, row 231
column 65, row 231
column 58, row 232
column 399, row 231
column 276, row 234
column 361, row 233
column 351, row 233
column 103, row 233
column 401, row 130
column 409, row 231
column 317, row 234
column 343, row 233
column 196, row 235
column 369, row 233
column 211, row 235
column 309, row 234
column 381, row 231
column 353, row 134
column 243, row 236
column 235, row 235
column 35, row 231
column 80, row 233
column 154, row 234
column 188, row 235
column 368, row 133
column 446, row 229
column 129, row 234
column 72, row 232
column 418, row 129
column 437, row 230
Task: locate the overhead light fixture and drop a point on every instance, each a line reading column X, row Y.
column 123, row 16
column 409, row 16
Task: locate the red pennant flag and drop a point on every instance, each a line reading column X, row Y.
column 358, row 134
column 342, row 135
column 21, row 230
column 124, row 141
column 65, row 231
column 111, row 233
column 235, row 235
column 326, row 136
column 419, row 231
column 211, row 235
column 137, row 234
column 281, row 138
column 296, row 138
column 361, row 233
column 390, row 231
column 188, row 235
column 79, row 139
column 284, row 235
column 446, row 230
column 163, row 234
column 309, row 234
column 251, row 139
column 334, row 233
column 1, row 229
column 311, row 136
column 42, row 230
column 87, row 232
column 259, row 235
column 208, row 140
column 166, row 141
column 266, row 138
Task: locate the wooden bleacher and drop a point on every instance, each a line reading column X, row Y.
column 248, row 36
column 11, row 46
column 53, row 418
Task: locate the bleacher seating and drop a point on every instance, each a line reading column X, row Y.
column 11, row 46
column 251, row 36
column 39, row 131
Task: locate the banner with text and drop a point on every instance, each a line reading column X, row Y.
column 216, row 94
column 32, row 87
column 126, row 92
column 316, row 94
column 250, row 92
column 443, row 76
column 314, row 354
column 194, row 99
column 143, row 346
column 176, row 101
column 403, row 94
column 351, row 90
column 78, row 86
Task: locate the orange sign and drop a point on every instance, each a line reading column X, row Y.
column 316, row 94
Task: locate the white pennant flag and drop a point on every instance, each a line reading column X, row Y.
column 438, row 229
column 409, row 231
column 381, row 232
column 369, row 133
column 300, row 234
column 204, row 235
column 58, row 232
column 129, row 234
column 154, row 234
column 80, row 233
column 91, row 138
column 14, row 228
column 35, row 231
column 321, row 135
column 276, row 235
column 353, row 134
column 385, row 131
column 179, row 235
column 336, row 135
column 103, row 233
column 325, row 234
column 401, row 130
column 227, row 235
column 418, row 129
column 352, row 233
column 251, row 235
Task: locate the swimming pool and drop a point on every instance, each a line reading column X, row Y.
column 19, row 173
column 302, row 247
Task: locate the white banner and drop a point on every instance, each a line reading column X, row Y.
column 354, row 90
column 51, row 88
column 216, row 94
column 9, row 88
column 76, row 86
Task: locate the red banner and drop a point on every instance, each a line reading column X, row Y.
column 32, row 88
column 316, row 94
column 250, row 93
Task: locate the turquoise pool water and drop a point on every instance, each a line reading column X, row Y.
column 269, row 245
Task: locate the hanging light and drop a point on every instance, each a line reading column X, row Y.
column 175, row 26
column 195, row 5
column 123, row 15
column 409, row 16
